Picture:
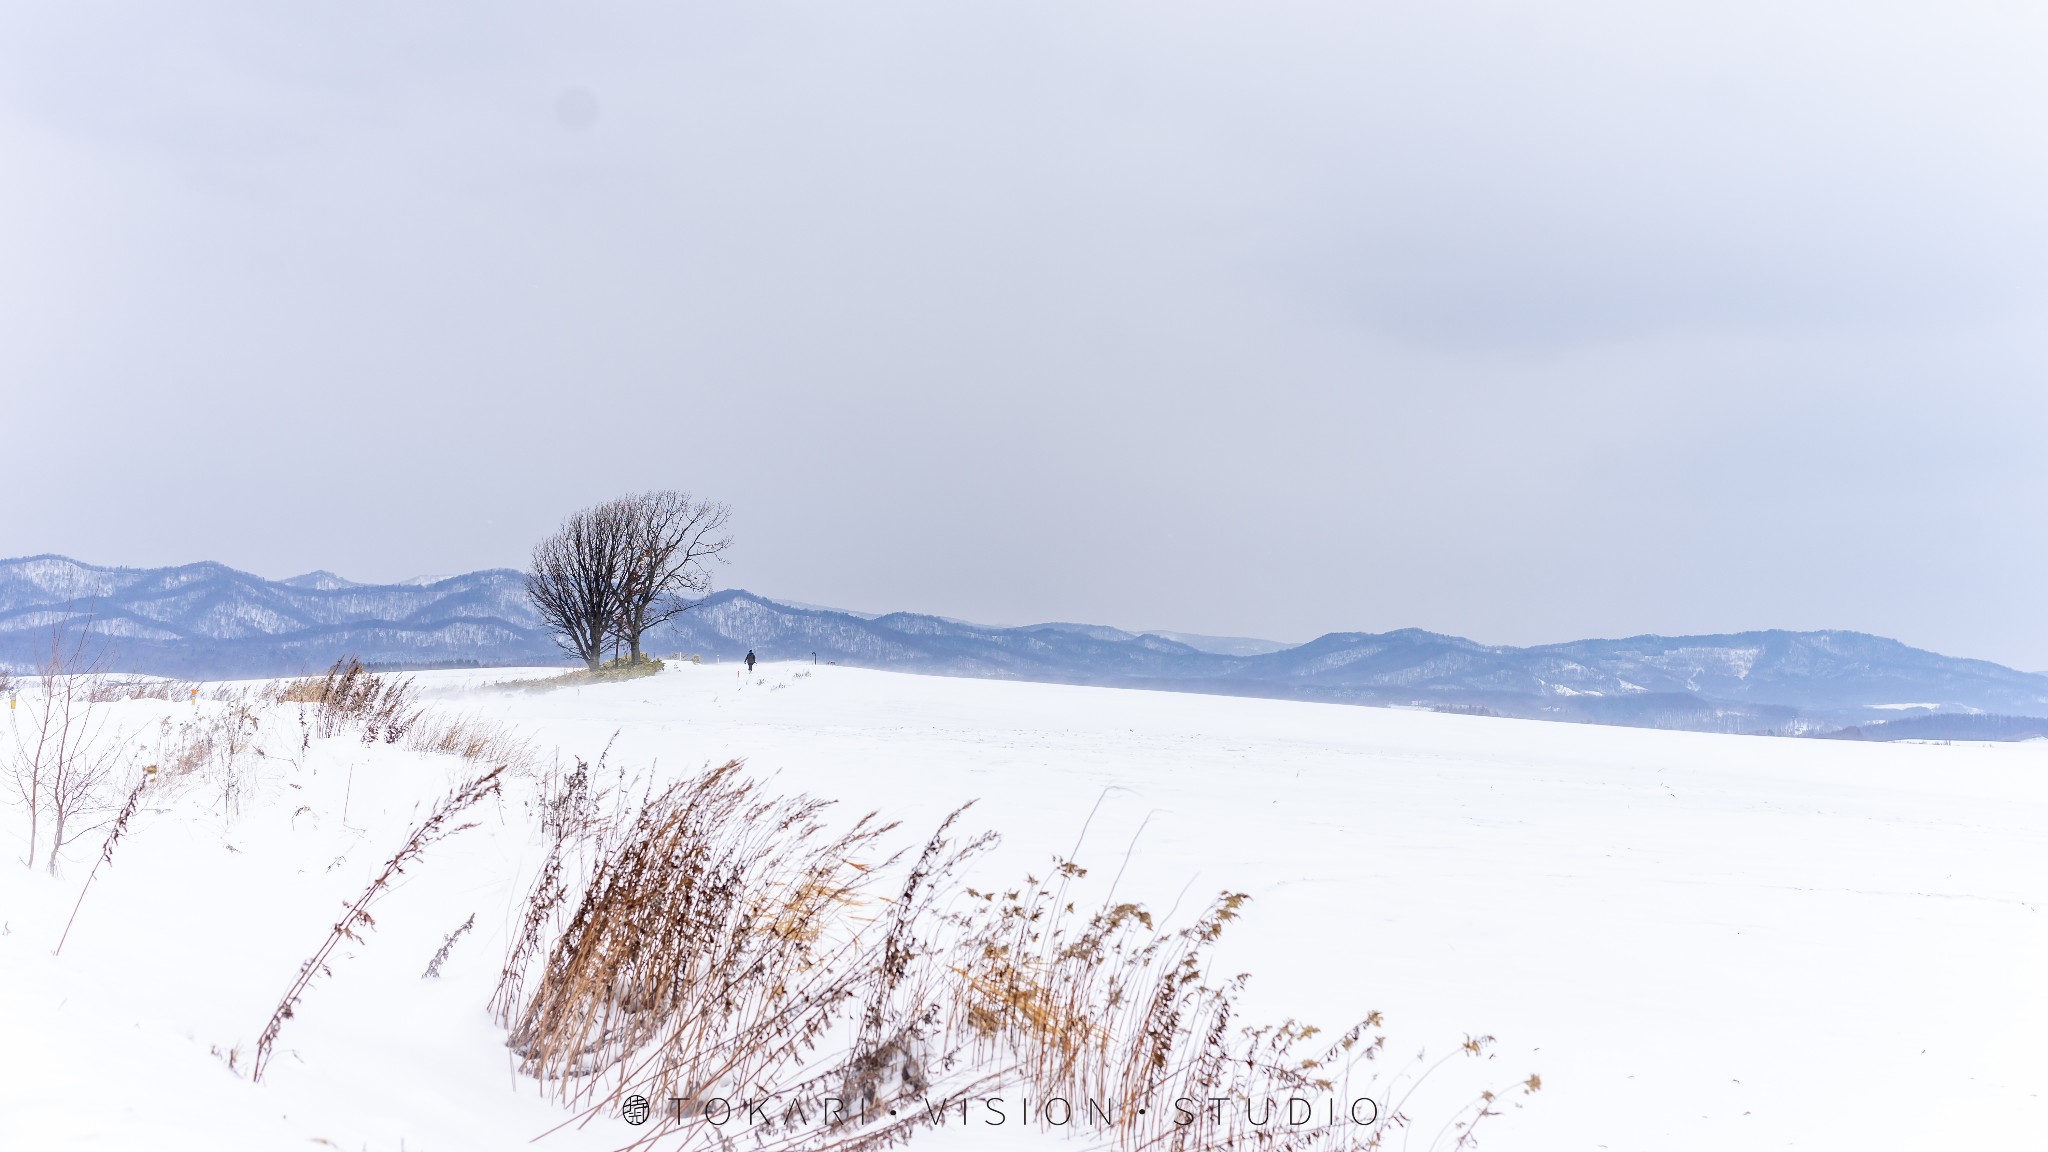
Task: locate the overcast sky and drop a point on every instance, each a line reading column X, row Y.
column 1526, row 322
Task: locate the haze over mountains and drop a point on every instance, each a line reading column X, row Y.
column 210, row 621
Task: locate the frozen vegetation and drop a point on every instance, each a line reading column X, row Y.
column 1695, row 941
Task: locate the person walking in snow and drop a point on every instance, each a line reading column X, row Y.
column 750, row 660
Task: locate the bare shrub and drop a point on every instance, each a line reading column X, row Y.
column 62, row 752
column 438, row 826
column 351, row 697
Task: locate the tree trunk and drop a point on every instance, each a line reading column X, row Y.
column 56, row 838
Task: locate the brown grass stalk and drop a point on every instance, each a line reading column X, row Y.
column 1106, row 1007
column 472, row 739
column 433, row 971
column 703, row 940
column 716, row 948
column 106, row 857
column 724, row 947
column 351, row 697
column 439, row 825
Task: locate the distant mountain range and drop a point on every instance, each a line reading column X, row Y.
column 208, row 620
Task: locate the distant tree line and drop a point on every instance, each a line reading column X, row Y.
column 617, row 570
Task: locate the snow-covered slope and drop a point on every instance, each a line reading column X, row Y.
column 1698, row 941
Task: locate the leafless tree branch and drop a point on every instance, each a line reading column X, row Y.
column 576, row 579
column 673, row 535
column 619, row 569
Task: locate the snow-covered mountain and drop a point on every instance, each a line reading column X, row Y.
column 1744, row 682
column 210, row 620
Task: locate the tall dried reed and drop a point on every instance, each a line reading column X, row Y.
column 724, row 949
column 1107, row 1007
column 439, row 825
column 106, row 857
column 707, row 951
column 350, row 697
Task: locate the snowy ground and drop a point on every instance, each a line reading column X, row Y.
column 1697, row 941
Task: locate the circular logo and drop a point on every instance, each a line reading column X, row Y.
column 635, row 1110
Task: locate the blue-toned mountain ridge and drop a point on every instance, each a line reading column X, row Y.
column 208, row 620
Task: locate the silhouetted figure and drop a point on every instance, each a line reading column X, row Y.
column 750, row 659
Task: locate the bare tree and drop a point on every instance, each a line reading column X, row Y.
column 672, row 535
column 577, row 579
column 62, row 755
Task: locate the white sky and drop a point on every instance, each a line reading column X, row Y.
column 1526, row 322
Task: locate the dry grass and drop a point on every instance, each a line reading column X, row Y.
column 110, row 689
column 433, row 971
column 379, row 707
column 719, row 941
column 439, row 825
column 350, row 697
column 118, row 829
column 472, row 739
column 213, row 748
column 722, row 947
column 1107, row 1007
column 712, row 948
column 612, row 670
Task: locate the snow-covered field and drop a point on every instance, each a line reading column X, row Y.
column 1698, row 942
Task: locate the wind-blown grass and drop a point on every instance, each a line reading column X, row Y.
column 724, row 947
column 439, row 825
column 350, row 697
